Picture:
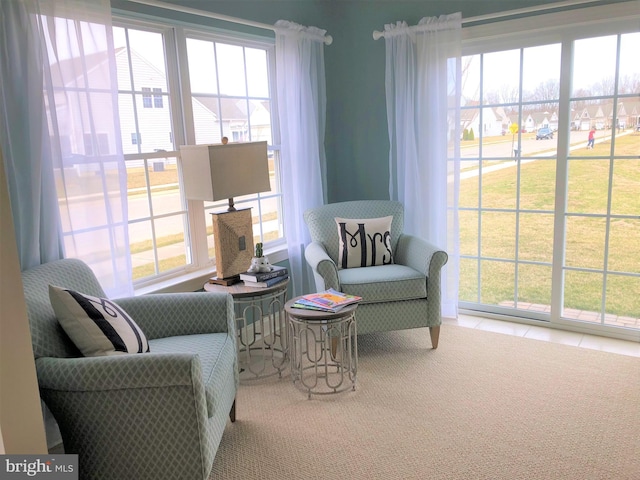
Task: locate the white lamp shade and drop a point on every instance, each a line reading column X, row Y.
column 219, row 172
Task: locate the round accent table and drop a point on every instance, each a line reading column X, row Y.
column 260, row 326
column 323, row 349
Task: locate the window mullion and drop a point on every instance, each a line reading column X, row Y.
column 180, row 65
column 198, row 229
column 605, row 266
column 562, row 175
column 177, row 60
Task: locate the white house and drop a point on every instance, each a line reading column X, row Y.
column 144, row 114
column 494, row 121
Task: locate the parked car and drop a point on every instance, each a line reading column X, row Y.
column 544, row 134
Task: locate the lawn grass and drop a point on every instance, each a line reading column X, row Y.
column 168, row 263
column 161, row 180
column 75, row 184
column 165, row 265
column 588, row 183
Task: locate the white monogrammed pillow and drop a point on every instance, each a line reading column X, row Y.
column 364, row 242
column 97, row 326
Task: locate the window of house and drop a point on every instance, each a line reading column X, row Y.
column 101, row 148
column 549, row 224
column 157, row 98
column 226, row 91
column 146, row 97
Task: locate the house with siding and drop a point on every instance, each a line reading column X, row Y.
column 145, row 93
column 494, row 120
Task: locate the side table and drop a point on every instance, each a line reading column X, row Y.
column 323, row 349
column 261, row 328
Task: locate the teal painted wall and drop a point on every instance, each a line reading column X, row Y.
column 356, row 139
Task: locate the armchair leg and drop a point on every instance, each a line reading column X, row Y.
column 232, row 412
column 435, row 335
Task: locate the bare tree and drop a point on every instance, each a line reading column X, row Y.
column 603, row 87
column 583, row 94
column 492, row 98
column 468, row 79
column 629, row 84
column 547, row 94
column 509, row 94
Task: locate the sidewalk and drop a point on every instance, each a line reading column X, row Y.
column 507, row 163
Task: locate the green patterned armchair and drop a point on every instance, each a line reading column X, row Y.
column 156, row 415
column 400, row 295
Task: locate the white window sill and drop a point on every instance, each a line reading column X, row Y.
column 194, row 281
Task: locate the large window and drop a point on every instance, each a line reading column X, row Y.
column 230, row 87
column 549, row 221
column 224, row 91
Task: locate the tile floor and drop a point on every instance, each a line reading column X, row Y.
column 576, row 339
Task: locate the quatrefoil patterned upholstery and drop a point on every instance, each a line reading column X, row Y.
column 394, row 297
column 157, row 415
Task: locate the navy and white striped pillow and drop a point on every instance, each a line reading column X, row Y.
column 97, row 326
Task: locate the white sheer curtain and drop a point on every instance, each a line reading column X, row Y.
column 302, row 112
column 59, row 78
column 423, row 65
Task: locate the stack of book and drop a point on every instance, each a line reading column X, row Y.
column 328, row 301
column 265, row 279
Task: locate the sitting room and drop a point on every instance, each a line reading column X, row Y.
column 320, row 239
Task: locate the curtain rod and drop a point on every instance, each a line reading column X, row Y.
column 509, row 13
column 328, row 39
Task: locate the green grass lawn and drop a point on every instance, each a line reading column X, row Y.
column 586, row 242
column 166, row 264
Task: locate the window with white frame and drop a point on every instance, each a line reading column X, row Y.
column 157, row 98
column 226, row 91
column 102, row 147
column 230, row 97
column 549, row 224
column 135, row 138
column 146, row 97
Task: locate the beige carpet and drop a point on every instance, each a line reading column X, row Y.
column 482, row 406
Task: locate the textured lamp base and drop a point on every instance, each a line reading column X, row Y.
column 233, row 241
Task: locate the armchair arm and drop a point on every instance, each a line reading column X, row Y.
column 420, row 255
column 119, row 372
column 129, row 413
column 172, row 314
column 325, row 270
column 428, row 259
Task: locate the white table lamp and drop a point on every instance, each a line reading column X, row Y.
column 225, row 171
